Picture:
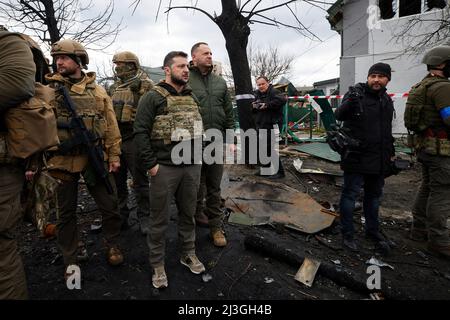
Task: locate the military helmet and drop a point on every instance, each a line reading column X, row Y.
column 70, row 47
column 437, row 55
column 126, row 56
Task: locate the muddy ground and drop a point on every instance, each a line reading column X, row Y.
column 241, row 274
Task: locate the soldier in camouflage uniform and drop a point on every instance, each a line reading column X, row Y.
column 17, row 83
column 126, row 92
column 94, row 106
column 170, row 108
column 427, row 115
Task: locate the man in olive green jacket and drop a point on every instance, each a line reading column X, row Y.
column 217, row 113
column 170, row 102
column 17, row 72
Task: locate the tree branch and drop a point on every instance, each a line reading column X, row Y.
column 252, row 12
column 192, row 8
column 246, row 3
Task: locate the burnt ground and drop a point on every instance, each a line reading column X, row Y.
column 238, row 273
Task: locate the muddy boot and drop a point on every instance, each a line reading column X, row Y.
column 114, row 256
column 439, row 251
column 218, row 236
column 201, row 220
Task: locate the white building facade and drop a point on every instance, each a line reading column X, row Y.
column 367, row 39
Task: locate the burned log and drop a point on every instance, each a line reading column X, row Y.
column 337, row 274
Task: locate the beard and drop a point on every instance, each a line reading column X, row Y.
column 178, row 80
column 66, row 72
column 376, row 87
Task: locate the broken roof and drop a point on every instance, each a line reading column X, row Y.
column 335, row 14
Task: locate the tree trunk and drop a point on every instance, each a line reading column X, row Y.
column 234, row 27
column 51, row 22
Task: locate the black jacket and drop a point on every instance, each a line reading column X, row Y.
column 274, row 100
column 368, row 119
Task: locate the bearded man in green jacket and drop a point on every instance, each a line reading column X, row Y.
column 217, row 113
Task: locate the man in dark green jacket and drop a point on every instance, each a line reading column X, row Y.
column 168, row 105
column 217, row 113
column 17, row 75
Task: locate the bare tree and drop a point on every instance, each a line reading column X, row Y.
column 422, row 32
column 52, row 20
column 234, row 22
column 269, row 62
column 105, row 75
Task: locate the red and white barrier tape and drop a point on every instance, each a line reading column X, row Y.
column 392, row 95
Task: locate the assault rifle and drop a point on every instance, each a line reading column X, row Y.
column 85, row 138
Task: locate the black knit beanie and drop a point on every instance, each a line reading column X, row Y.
column 380, row 68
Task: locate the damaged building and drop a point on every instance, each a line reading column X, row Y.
column 375, row 31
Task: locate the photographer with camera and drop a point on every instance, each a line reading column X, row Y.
column 268, row 109
column 367, row 112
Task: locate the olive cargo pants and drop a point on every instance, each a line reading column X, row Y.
column 181, row 182
column 67, row 228
column 208, row 199
column 432, row 206
column 12, row 276
column 140, row 182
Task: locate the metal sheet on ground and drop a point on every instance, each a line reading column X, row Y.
column 307, row 271
column 279, row 202
column 319, row 150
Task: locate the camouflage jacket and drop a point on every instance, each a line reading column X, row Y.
column 103, row 107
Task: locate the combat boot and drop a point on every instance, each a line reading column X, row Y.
column 218, row 236
column 114, row 256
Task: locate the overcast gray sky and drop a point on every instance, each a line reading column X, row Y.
column 151, row 39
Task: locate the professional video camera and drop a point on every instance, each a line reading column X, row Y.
column 340, row 141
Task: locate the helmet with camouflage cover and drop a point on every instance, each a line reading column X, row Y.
column 437, row 55
column 126, row 56
column 70, row 48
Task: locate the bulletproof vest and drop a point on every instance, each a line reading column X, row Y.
column 87, row 108
column 420, row 112
column 422, row 118
column 177, row 123
column 126, row 98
